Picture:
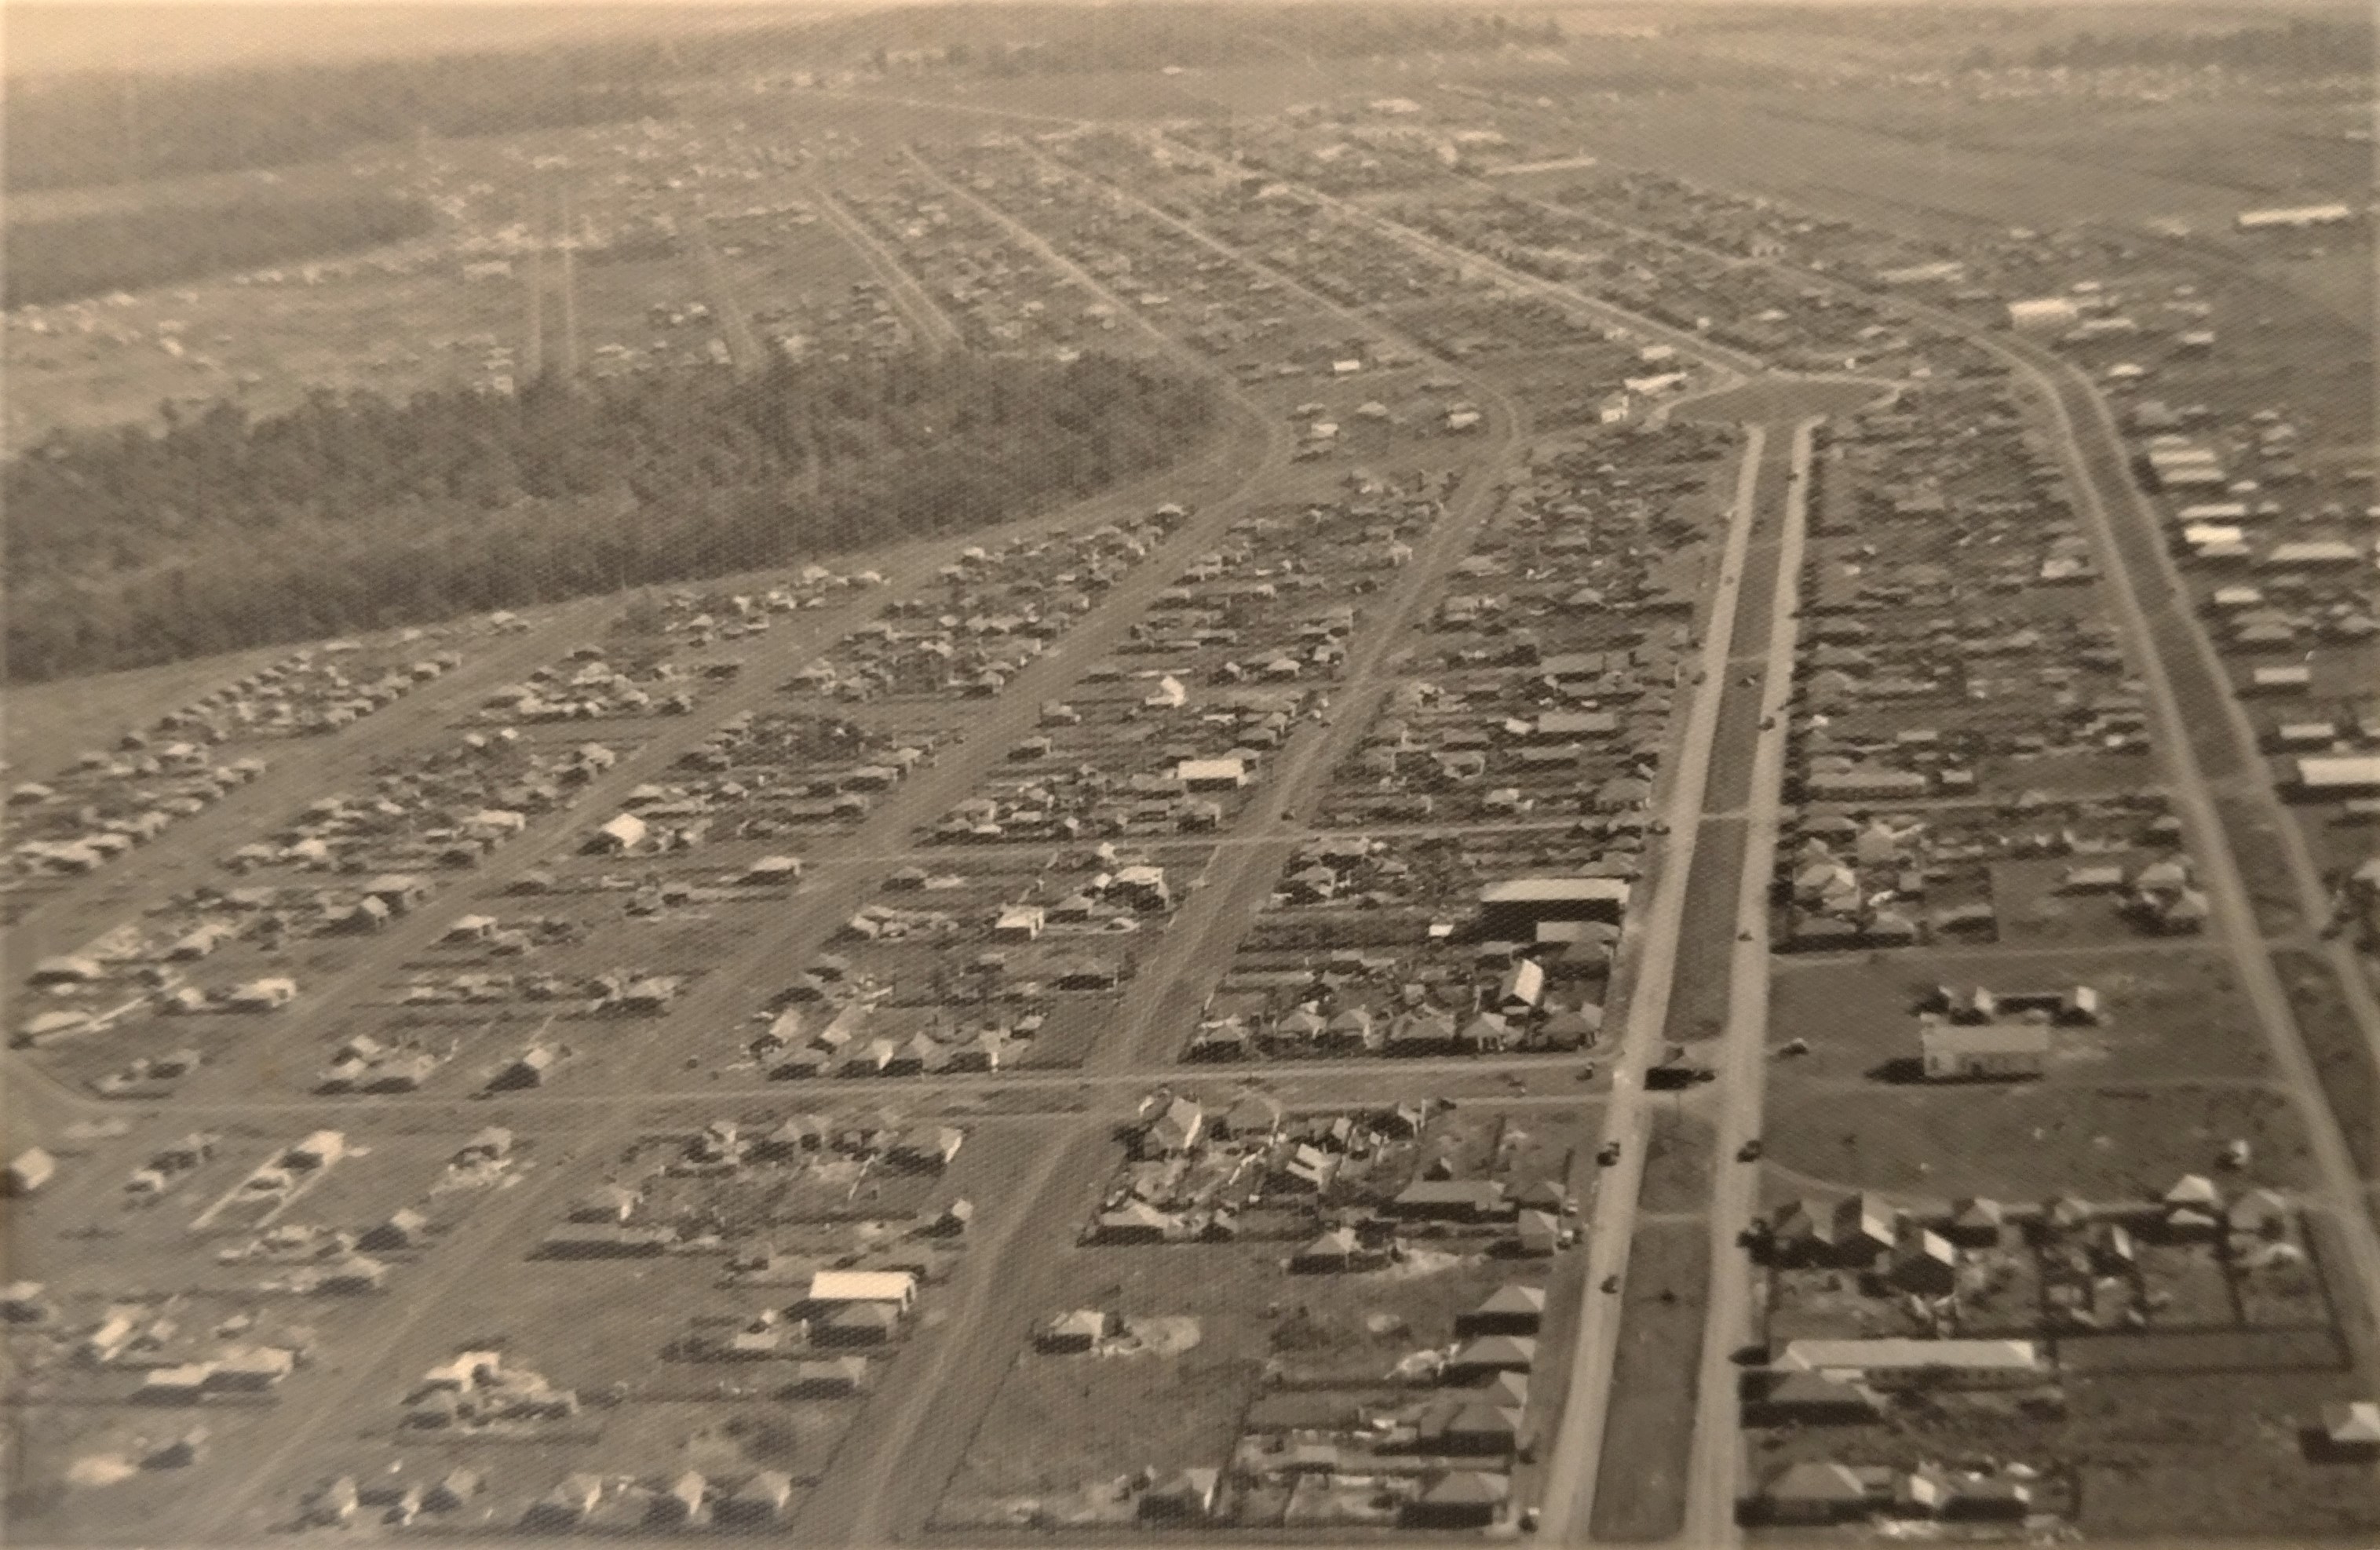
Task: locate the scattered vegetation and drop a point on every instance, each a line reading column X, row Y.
column 131, row 249
column 2299, row 46
column 345, row 514
column 95, row 128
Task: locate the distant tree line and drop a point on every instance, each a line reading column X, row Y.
column 101, row 127
column 2299, row 46
column 349, row 512
column 1041, row 37
column 131, row 249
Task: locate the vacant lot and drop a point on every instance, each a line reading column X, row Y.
column 2028, row 1143
column 2340, row 1057
column 2169, row 1013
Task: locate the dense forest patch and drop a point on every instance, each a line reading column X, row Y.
column 349, row 513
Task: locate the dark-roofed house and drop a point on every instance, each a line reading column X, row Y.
column 1334, row 1250
column 1807, row 1400
column 566, row 1505
column 827, row 1378
column 1512, row 1309
column 1813, row 1492
column 1175, row 1129
column 1862, row 1228
column 1485, row 1357
column 1185, row 1497
column 929, row 1149
column 2349, row 1429
column 757, row 1502
column 1458, row 1499
column 1135, row 1221
column 405, row 1229
column 859, row 1324
column 1975, row 1222
column 1925, row 1264
column 1987, row 1498
column 1451, row 1200
column 1075, row 1332
column 453, row 1491
column 1254, row 1117
column 678, row 1502
column 1801, row 1233
column 1471, row 1428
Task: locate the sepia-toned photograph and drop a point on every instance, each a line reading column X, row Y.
column 1107, row 773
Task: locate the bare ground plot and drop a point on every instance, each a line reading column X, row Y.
column 2031, row 908
column 2211, row 1453
column 2338, row 843
column 2342, row 1060
column 1062, row 1427
column 2169, row 1013
column 1776, row 400
column 74, row 1472
column 1066, row 1432
column 2028, row 1143
column 1648, row 1431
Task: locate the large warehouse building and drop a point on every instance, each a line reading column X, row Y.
column 1510, row 911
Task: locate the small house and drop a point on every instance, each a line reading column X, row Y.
column 28, row 1171
column 1510, row 1309
column 1075, row 1332
column 1949, row 1051
column 1815, row 1492
column 1458, row 1499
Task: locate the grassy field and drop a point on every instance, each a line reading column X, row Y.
column 2028, row 1143
column 1698, row 1005
column 2170, row 1013
column 1677, row 1162
column 1648, row 1435
column 58, row 718
column 1861, row 165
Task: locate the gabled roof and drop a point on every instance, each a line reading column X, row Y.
column 1468, row 1488
column 1816, row 1481
column 1513, row 1298
column 1516, row 1351
column 2354, row 1422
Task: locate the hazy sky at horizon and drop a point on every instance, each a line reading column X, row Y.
column 46, row 37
